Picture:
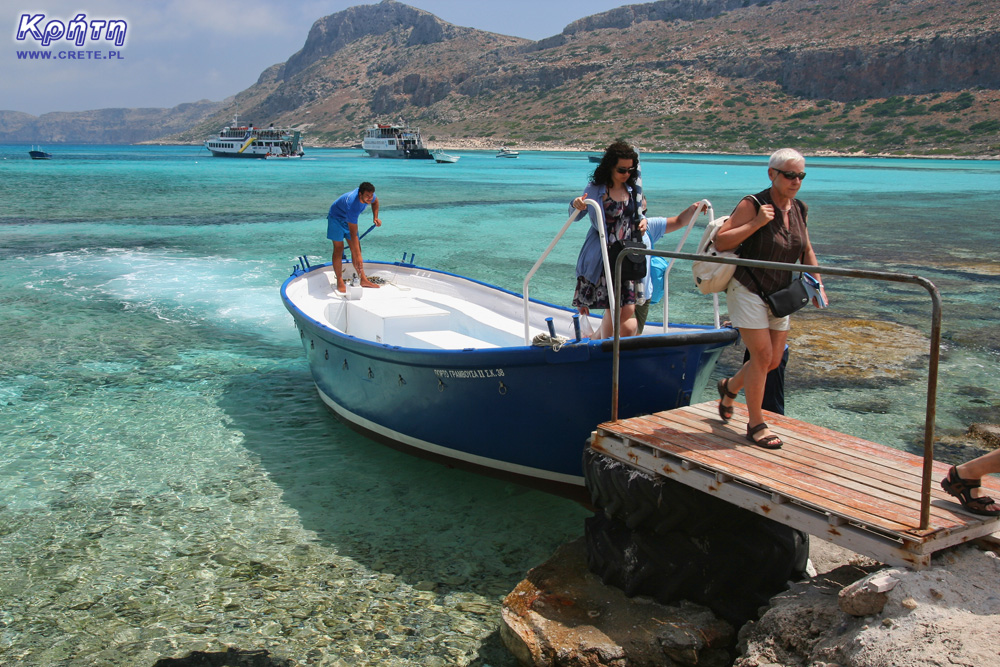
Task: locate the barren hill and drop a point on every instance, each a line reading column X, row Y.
column 869, row 76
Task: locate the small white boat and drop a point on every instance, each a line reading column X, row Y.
column 506, row 152
column 444, row 158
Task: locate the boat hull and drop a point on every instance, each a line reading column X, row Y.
column 413, row 154
column 522, row 413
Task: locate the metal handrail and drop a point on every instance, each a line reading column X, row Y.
column 573, row 217
column 935, row 351
column 704, row 206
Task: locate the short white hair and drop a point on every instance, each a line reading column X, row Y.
column 783, row 155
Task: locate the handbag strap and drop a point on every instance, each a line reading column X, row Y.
column 760, row 291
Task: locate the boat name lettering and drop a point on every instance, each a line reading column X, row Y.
column 75, row 31
column 471, row 374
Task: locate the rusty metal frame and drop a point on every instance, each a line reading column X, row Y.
column 935, row 347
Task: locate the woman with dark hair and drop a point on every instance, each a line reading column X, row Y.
column 614, row 186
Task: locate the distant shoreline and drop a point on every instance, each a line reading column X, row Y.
column 492, row 145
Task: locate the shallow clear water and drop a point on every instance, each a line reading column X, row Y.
column 169, row 479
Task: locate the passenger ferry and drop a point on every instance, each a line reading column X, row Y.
column 395, row 141
column 248, row 141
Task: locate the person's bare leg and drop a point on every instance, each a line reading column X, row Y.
column 338, row 265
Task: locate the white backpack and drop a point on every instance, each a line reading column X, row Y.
column 713, row 277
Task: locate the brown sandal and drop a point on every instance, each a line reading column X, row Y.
column 962, row 489
column 767, row 442
column 725, row 411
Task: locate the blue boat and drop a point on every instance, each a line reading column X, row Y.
column 436, row 363
column 473, row 375
column 39, row 154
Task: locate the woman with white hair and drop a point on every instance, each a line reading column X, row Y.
column 768, row 226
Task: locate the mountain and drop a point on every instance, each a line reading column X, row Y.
column 866, row 76
column 103, row 126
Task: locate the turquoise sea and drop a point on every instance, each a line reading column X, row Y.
column 169, row 480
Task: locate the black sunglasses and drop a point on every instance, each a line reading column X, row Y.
column 624, row 170
column 792, row 175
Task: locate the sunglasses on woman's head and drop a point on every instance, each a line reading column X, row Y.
column 624, row 170
column 792, row 175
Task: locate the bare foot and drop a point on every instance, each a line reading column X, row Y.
column 367, row 283
column 341, row 286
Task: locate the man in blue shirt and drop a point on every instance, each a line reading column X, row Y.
column 342, row 222
column 652, row 290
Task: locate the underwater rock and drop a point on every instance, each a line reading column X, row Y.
column 562, row 614
column 830, row 349
column 989, row 434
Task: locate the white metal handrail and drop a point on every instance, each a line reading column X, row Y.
column 704, row 206
column 574, row 216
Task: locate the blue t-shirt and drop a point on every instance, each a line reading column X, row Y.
column 345, row 210
column 653, row 282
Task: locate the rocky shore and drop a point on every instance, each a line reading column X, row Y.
column 851, row 611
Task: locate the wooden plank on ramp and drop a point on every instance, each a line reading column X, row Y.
column 852, row 492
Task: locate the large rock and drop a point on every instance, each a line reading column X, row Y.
column 947, row 614
column 563, row 615
column 989, row 434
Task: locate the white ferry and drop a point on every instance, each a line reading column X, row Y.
column 395, row 141
column 238, row 140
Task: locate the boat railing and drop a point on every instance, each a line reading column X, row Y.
column 704, row 206
column 573, row 217
column 935, row 342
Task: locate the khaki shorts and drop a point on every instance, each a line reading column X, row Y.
column 748, row 311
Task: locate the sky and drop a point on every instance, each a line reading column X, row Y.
column 178, row 51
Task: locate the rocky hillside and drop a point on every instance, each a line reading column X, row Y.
column 865, row 76
column 103, row 126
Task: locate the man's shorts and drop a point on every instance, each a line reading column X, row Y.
column 748, row 311
column 337, row 230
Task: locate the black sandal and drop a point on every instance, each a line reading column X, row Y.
column 962, row 489
column 725, row 411
column 767, row 442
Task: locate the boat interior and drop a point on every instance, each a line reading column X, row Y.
column 422, row 309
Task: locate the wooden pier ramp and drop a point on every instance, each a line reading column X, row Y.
column 857, row 494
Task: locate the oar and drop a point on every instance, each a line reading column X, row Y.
column 359, row 238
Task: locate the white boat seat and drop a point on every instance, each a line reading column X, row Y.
column 449, row 340
column 388, row 321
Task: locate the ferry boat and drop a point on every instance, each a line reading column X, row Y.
column 238, row 140
column 395, row 141
column 39, row 154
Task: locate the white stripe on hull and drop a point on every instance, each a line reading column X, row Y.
column 416, row 443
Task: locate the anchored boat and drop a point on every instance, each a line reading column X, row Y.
column 238, row 140
column 39, row 154
column 395, row 141
column 474, row 375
